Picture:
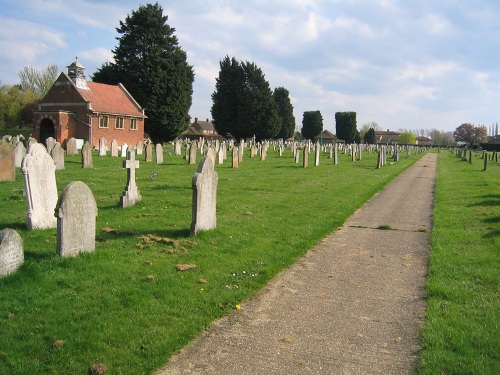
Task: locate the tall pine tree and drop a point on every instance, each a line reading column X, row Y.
column 154, row 69
column 242, row 103
column 285, row 112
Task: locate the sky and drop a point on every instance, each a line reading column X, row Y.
column 409, row 64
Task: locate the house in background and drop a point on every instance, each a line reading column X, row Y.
column 424, row 141
column 325, row 137
column 76, row 108
column 201, row 129
column 386, row 137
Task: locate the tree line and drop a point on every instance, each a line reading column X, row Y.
column 149, row 62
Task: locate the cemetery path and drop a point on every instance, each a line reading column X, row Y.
column 353, row 305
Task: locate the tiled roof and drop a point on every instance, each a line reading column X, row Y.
column 325, row 134
column 110, row 99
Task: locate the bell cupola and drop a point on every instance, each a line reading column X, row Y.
column 76, row 72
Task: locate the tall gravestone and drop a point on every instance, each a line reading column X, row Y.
column 71, row 148
column 102, row 147
column 159, row 153
column 76, row 213
column 192, row 153
column 40, row 187
column 11, row 251
column 235, row 157
column 149, row 152
column 204, row 197
column 19, row 152
column 114, row 148
column 305, row 155
column 57, row 155
column 87, row 156
column 131, row 194
column 177, row 148
column 7, row 162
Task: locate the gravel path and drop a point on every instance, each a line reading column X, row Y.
column 353, row 305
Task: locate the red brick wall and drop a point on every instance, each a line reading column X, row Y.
column 125, row 135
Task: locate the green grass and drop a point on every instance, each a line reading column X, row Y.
column 126, row 305
column 462, row 333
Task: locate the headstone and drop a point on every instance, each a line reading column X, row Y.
column 57, row 155
column 211, row 154
column 335, row 154
column 102, row 146
column 305, row 161
column 11, row 252
column 19, row 152
column 7, row 162
column 220, row 155
column 236, row 158
column 40, row 187
column 139, row 148
column 76, row 213
column 192, row 153
column 114, row 148
column 159, row 153
column 131, row 194
column 177, row 148
column 31, row 141
column 87, row 156
column 149, row 152
column 204, row 197
column 49, row 143
column 124, row 150
column 71, row 148
column 317, row 154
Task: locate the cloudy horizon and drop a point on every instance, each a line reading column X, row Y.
column 404, row 65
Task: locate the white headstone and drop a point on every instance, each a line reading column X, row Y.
column 11, row 251
column 102, row 147
column 204, row 197
column 159, row 153
column 114, row 148
column 71, row 147
column 19, row 152
column 57, row 155
column 40, row 187
column 76, row 211
column 124, row 150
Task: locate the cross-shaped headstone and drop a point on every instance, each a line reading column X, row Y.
column 131, row 194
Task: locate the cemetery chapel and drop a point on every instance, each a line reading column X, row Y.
column 76, row 108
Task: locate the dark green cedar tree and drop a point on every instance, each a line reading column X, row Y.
column 242, row 103
column 312, row 124
column 285, row 112
column 345, row 125
column 153, row 67
column 370, row 136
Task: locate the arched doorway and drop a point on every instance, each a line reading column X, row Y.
column 46, row 130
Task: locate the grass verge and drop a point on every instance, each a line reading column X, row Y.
column 462, row 324
column 126, row 305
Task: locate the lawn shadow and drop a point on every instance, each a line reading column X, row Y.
column 15, row 226
column 490, row 200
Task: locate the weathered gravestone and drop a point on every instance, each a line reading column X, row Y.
column 159, row 153
column 114, row 148
column 19, row 152
column 31, row 141
column 76, row 211
column 177, row 148
column 192, row 153
column 57, row 155
column 235, row 157
column 87, row 156
column 11, row 251
column 40, row 187
column 71, row 148
column 123, row 151
column 204, row 197
column 102, row 147
column 139, row 148
column 131, row 194
column 49, row 143
column 149, row 152
column 305, row 155
column 7, row 162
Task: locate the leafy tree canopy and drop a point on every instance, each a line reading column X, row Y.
column 407, row 138
column 242, row 103
column 16, row 106
column 470, row 134
column 154, row 69
column 312, row 124
column 345, row 124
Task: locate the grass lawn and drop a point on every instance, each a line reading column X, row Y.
column 462, row 334
column 126, row 305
